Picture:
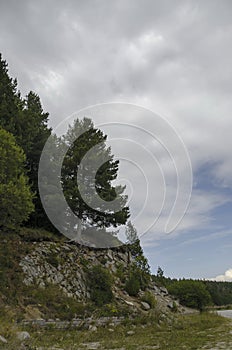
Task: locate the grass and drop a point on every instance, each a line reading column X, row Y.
column 202, row 331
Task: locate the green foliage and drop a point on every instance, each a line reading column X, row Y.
column 29, row 234
column 203, row 331
column 100, row 284
column 221, row 292
column 11, row 277
column 160, row 272
column 10, row 101
column 34, row 135
column 15, row 194
column 84, row 141
column 174, row 307
column 140, row 265
column 132, row 285
column 191, row 293
column 121, row 272
column 149, row 298
column 53, row 303
column 25, row 119
column 159, row 278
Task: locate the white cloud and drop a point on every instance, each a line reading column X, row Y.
column 227, row 277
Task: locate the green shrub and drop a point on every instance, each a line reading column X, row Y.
column 100, row 285
column 121, row 272
column 53, row 302
column 174, row 307
column 149, row 298
column 132, row 285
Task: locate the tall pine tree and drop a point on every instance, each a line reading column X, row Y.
column 79, row 142
column 15, row 194
column 25, row 119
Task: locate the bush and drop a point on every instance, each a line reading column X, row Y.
column 149, row 298
column 121, row 272
column 53, row 302
column 132, row 285
column 100, row 284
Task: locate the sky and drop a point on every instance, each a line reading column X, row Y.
column 172, row 58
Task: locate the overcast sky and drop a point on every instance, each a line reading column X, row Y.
column 172, row 57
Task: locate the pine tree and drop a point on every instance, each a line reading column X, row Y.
column 15, row 194
column 10, row 102
column 140, row 267
column 25, row 119
column 80, row 142
column 36, row 133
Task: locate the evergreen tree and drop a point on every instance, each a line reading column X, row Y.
column 15, row 194
column 10, row 102
column 36, row 133
column 79, row 142
column 140, row 268
column 25, row 119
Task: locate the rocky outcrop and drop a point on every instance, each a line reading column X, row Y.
column 65, row 265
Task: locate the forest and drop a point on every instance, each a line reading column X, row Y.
column 190, row 291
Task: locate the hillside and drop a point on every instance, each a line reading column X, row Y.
column 49, row 279
column 47, row 301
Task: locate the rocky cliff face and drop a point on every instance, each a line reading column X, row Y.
column 65, row 265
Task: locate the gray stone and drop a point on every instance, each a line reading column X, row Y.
column 170, row 305
column 23, row 335
column 2, row 339
column 91, row 346
column 164, row 290
column 130, row 332
column 145, row 305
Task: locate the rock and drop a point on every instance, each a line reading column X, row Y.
column 145, row 305
column 3, row 340
column 170, row 305
column 130, row 332
column 23, row 335
column 111, row 330
column 91, row 346
column 92, row 328
column 129, row 303
column 32, row 313
column 164, row 290
column 156, row 289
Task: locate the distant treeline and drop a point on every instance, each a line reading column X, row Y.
column 196, row 292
